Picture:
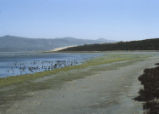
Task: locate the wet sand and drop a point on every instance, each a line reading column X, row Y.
column 110, row 90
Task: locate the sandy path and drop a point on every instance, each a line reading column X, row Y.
column 107, row 92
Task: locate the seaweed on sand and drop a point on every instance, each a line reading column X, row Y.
column 150, row 92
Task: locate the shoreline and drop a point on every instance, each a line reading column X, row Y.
column 93, row 70
column 6, row 81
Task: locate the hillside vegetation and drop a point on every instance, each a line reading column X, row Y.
column 148, row 44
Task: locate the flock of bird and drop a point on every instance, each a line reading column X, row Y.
column 38, row 66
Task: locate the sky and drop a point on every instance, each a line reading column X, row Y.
column 88, row 19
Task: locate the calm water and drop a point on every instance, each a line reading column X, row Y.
column 12, row 64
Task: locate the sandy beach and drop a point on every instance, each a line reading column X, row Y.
column 104, row 89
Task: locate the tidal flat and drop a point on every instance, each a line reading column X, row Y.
column 105, row 84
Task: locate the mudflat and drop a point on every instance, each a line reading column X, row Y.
column 103, row 89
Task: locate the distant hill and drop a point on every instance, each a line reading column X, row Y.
column 17, row 44
column 148, row 44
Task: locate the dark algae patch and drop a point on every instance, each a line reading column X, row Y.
column 150, row 92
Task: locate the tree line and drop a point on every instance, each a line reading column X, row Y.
column 148, row 44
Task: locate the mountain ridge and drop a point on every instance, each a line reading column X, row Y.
column 10, row 43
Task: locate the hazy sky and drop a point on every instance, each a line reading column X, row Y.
column 110, row 19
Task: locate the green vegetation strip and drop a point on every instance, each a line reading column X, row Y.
column 111, row 58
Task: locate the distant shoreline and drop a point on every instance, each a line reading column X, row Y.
column 59, row 49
